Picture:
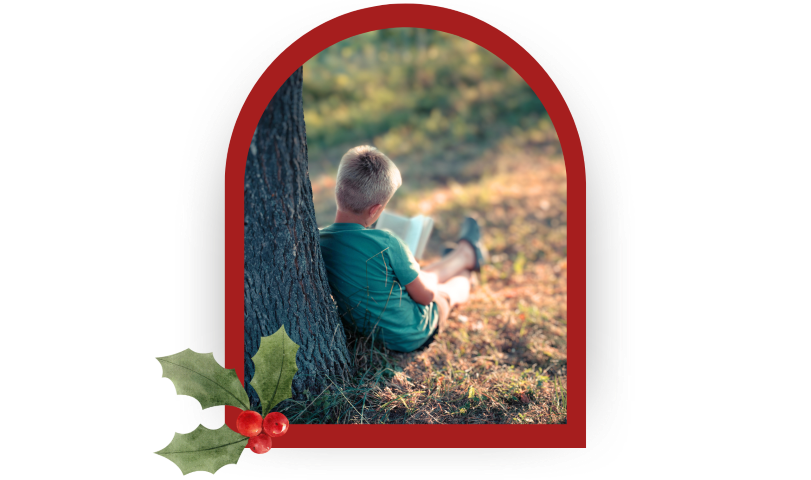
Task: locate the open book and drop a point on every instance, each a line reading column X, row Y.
column 414, row 232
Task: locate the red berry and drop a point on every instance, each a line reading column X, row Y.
column 275, row 424
column 249, row 423
column 260, row 443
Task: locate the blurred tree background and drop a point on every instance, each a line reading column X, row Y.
column 438, row 105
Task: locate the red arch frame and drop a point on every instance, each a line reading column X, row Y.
column 573, row 434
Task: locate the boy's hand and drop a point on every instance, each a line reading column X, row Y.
column 423, row 289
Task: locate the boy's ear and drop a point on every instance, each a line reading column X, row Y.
column 375, row 209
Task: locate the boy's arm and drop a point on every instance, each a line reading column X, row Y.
column 405, row 266
column 423, row 289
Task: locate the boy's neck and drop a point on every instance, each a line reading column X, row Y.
column 350, row 217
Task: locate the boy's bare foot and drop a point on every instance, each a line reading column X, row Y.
column 471, row 233
column 466, row 249
column 470, row 236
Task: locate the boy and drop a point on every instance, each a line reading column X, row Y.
column 375, row 280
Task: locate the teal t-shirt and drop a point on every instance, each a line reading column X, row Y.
column 368, row 270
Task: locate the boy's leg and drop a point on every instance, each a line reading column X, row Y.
column 457, row 288
column 454, row 291
column 460, row 260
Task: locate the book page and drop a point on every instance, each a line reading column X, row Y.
column 414, row 232
column 425, row 234
column 397, row 225
column 394, row 223
column 412, row 237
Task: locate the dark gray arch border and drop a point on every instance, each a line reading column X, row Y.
column 202, row 284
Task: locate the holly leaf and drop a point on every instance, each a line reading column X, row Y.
column 204, row 449
column 275, row 364
column 198, row 375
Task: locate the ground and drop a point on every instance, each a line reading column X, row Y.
column 502, row 357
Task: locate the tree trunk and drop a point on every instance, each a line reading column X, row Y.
column 285, row 278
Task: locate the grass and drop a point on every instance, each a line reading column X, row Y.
column 431, row 100
column 502, row 356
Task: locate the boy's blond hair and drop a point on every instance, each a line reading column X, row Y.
column 366, row 177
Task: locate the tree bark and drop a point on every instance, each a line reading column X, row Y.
column 285, row 278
